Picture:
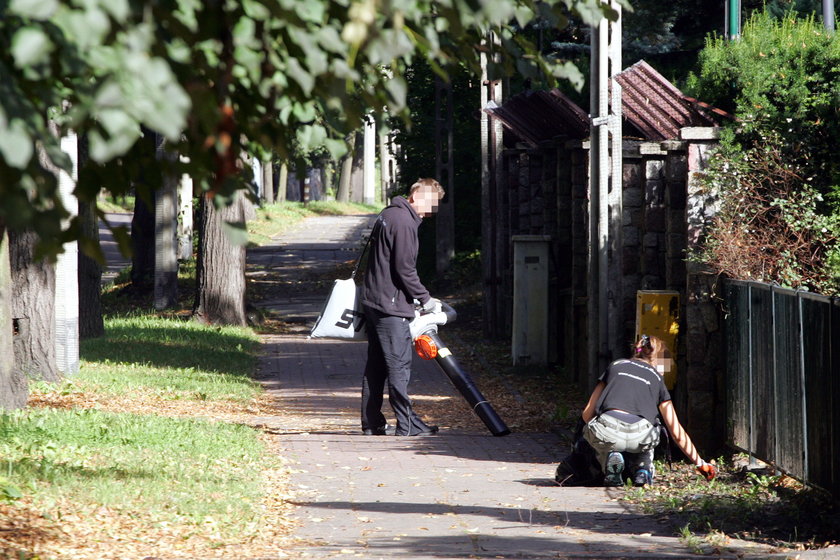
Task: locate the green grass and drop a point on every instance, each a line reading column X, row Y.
column 273, row 219
column 174, row 469
column 767, row 508
column 203, row 477
column 116, row 204
column 173, row 357
column 170, row 470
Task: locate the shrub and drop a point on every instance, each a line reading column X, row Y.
column 776, row 170
column 782, row 75
column 768, row 227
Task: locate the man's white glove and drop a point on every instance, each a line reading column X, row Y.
column 432, row 306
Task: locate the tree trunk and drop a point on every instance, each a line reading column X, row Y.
column 343, row 194
column 268, row 181
column 143, row 246
column 13, row 387
column 220, row 270
column 357, row 175
column 33, row 308
column 91, row 324
column 282, row 180
column 166, row 227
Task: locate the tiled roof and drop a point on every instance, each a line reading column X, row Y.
column 536, row 116
column 651, row 104
column 656, row 107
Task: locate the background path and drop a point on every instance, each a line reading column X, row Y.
column 114, row 260
column 459, row 494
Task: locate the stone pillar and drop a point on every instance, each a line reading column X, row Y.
column 653, row 236
column 705, row 415
column 633, row 214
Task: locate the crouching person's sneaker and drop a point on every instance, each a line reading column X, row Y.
column 614, row 470
column 642, row 477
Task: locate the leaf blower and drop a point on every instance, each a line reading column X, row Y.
column 429, row 346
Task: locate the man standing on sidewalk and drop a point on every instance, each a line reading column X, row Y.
column 391, row 286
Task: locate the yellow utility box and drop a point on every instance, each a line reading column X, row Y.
column 658, row 314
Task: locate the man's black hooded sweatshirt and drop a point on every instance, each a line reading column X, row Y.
column 391, row 282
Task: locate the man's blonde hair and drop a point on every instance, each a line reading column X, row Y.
column 427, row 182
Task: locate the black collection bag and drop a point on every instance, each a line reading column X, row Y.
column 581, row 466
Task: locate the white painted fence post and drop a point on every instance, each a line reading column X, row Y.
column 66, row 271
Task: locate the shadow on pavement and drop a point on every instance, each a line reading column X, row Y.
column 601, row 522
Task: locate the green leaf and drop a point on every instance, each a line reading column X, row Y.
column 15, row 143
column 237, row 233
column 329, row 38
column 86, row 29
column 59, row 158
column 119, row 9
column 301, row 76
column 304, row 112
column 523, row 15
column 244, row 31
column 311, row 11
column 255, row 10
column 568, row 71
column 35, row 9
column 92, row 249
column 337, row 148
column 11, row 493
column 30, row 46
column 398, row 90
column 122, row 132
column 315, row 59
column 390, row 45
column 311, row 136
column 499, row 12
column 592, row 11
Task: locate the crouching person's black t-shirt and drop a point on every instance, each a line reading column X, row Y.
column 633, row 386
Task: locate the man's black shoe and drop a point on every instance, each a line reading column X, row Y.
column 430, row 430
column 380, row 431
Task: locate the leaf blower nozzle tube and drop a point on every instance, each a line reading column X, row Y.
column 465, row 385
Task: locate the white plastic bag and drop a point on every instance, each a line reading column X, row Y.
column 342, row 316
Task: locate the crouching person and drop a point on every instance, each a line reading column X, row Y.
column 623, row 414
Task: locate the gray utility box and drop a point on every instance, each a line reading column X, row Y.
column 529, row 339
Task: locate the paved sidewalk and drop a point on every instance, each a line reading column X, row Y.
column 458, row 494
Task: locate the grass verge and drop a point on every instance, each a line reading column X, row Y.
column 145, row 452
column 140, row 453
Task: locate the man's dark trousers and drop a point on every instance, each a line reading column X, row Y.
column 389, row 358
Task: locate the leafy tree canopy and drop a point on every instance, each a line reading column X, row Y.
column 218, row 77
